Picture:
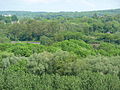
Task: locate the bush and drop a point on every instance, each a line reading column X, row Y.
column 108, row 49
column 76, row 46
column 104, row 65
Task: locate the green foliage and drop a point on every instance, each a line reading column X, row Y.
column 62, row 63
column 14, row 18
column 52, row 49
column 96, row 81
column 22, row 49
column 104, row 65
column 60, row 51
column 45, row 40
column 108, row 49
column 38, row 63
column 3, row 38
column 5, row 54
column 48, row 31
column 85, row 81
column 108, row 37
column 60, row 71
column 76, row 46
column 8, row 19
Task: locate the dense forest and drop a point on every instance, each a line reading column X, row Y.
column 64, row 52
column 50, row 15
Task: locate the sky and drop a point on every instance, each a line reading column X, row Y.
column 58, row 5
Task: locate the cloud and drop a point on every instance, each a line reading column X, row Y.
column 88, row 3
column 39, row 1
column 82, row 2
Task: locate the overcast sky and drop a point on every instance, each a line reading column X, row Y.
column 58, row 5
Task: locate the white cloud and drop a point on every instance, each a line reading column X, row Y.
column 39, row 1
column 88, row 3
column 82, row 2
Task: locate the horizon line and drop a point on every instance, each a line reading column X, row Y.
column 57, row 11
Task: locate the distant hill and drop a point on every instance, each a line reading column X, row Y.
column 22, row 14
